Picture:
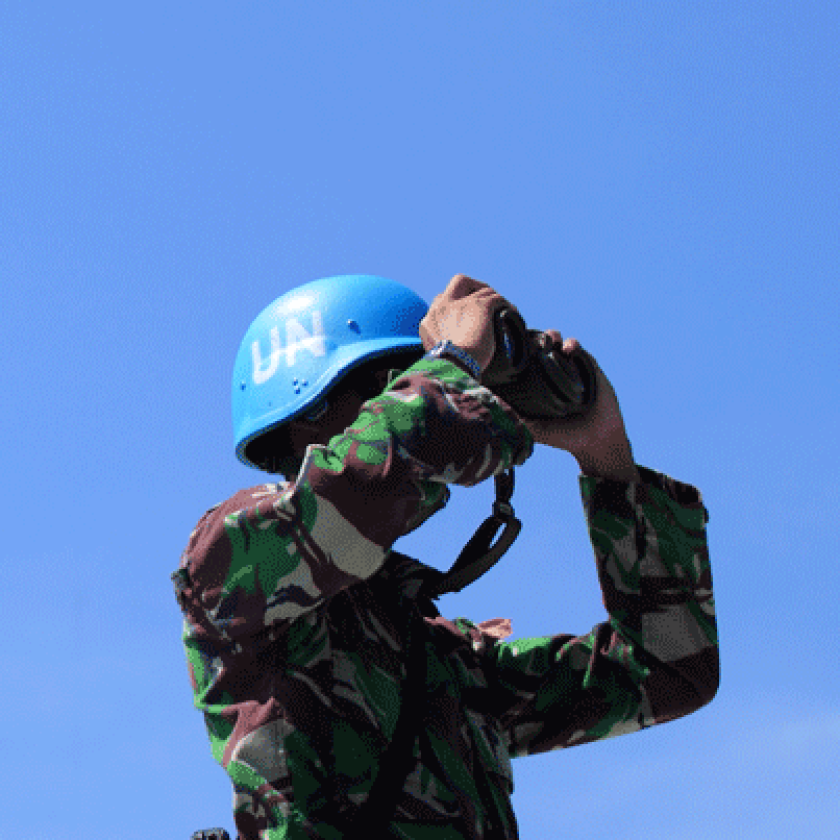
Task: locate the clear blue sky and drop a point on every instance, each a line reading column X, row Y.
column 659, row 180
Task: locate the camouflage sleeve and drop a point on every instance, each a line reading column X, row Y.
column 273, row 553
column 654, row 660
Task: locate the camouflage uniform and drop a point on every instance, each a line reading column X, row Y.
column 296, row 613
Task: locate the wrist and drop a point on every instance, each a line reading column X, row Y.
column 612, row 462
column 446, row 349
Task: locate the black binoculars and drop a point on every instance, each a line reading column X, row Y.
column 534, row 378
column 211, row 834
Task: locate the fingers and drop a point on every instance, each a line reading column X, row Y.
column 460, row 286
column 490, row 300
column 569, row 346
column 555, row 337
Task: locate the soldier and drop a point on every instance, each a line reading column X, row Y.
column 336, row 697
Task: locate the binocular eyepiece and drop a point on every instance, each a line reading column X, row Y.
column 534, row 378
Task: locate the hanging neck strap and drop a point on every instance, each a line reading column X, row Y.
column 480, row 554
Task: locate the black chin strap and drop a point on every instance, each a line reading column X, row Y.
column 479, row 555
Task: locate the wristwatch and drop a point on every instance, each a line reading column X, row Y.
column 456, row 354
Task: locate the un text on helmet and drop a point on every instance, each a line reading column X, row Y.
column 297, row 338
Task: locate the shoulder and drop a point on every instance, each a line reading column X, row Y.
column 207, row 557
column 210, row 526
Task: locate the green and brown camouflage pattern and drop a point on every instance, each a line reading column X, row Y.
column 296, row 611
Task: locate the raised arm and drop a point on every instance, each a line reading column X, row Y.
column 274, row 552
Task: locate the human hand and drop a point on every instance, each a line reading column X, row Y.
column 463, row 313
column 598, row 439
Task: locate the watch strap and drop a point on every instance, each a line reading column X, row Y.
column 447, row 348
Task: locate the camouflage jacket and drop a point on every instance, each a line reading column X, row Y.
column 296, row 610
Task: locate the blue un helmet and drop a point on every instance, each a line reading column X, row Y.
column 300, row 345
